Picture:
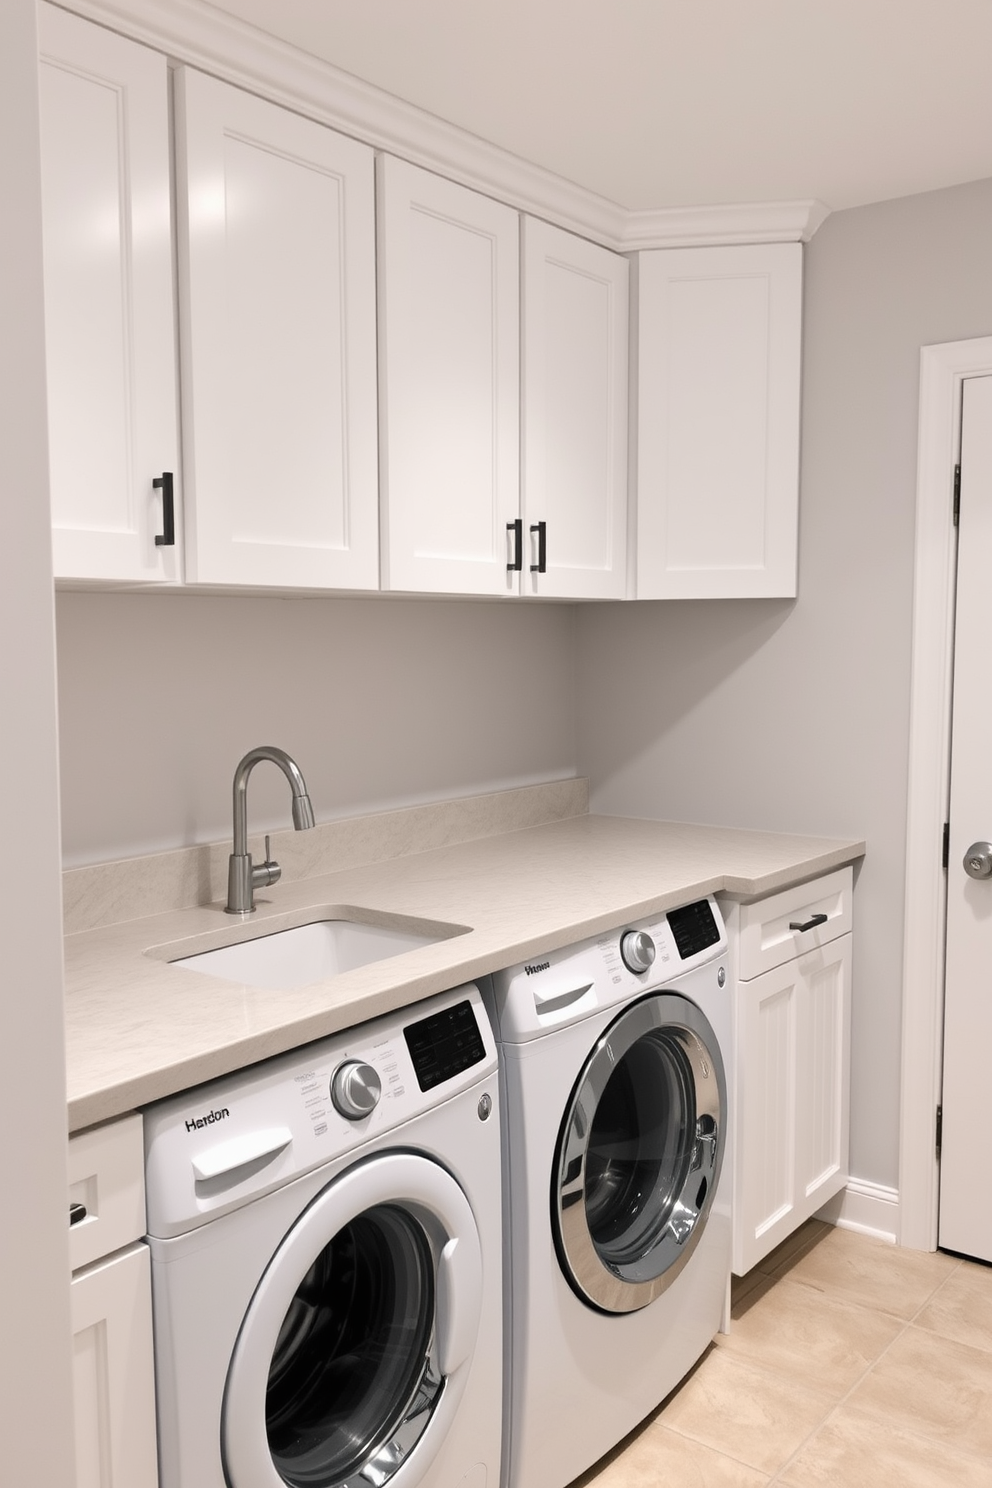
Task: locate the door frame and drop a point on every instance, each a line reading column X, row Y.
column 943, row 369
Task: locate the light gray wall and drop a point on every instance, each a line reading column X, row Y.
column 35, row 1353
column 383, row 703
column 795, row 715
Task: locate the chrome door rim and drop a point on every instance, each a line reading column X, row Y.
column 615, row 1288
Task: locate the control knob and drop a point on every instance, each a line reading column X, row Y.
column 637, row 950
column 355, row 1089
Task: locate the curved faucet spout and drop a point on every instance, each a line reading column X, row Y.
column 242, row 878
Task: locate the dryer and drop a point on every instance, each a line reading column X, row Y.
column 614, row 1055
column 325, row 1236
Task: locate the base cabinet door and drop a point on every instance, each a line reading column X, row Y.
column 449, row 381
column 109, row 304
column 574, row 416
column 277, row 333
column 717, row 442
column 791, row 1075
column 113, row 1379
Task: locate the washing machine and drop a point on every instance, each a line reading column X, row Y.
column 325, row 1236
column 615, row 1109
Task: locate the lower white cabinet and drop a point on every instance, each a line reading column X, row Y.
column 110, row 1295
column 792, row 1056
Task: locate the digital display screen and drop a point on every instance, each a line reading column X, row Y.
column 444, row 1044
column 694, row 928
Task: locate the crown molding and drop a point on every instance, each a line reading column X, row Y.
column 193, row 33
column 695, row 227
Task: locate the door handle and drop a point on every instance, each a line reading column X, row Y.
column 978, row 860
column 541, row 566
column 811, row 923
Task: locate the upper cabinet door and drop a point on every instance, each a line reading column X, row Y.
column 277, row 336
column 109, row 302
column 449, row 384
column 574, row 416
column 718, row 369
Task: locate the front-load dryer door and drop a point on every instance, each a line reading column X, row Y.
column 639, row 1154
column 357, row 1342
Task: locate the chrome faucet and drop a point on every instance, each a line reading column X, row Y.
column 242, row 878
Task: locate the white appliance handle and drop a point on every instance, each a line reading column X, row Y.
column 459, row 1293
column 227, row 1157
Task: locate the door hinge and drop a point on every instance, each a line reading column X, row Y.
column 940, row 1129
column 945, row 850
column 957, row 494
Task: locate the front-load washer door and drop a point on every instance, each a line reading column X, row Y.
column 357, row 1342
column 639, row 1154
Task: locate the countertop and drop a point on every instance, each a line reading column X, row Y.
column 138, row 1028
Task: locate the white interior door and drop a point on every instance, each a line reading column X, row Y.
column 965, row 1194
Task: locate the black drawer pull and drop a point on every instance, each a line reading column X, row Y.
column 818, row 919
column 167, row 537
column 541, row 566
column 76, row 1213
column 517, row 528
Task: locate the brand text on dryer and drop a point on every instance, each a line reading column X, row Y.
column 207, row 1120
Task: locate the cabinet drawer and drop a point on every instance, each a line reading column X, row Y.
column 106, row 1176
column 767, row 938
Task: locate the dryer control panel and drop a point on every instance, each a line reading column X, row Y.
column 569, row 984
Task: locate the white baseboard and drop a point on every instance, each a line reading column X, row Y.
column 869, row 1208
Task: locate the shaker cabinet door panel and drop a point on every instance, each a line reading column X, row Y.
column 793, row 1061
column 277, row 285
column 109, row 301
column 718, row 370
column 449, row 382
column 574, row 405
column 113, row 1378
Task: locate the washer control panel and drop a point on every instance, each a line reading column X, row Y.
column 214, row 1147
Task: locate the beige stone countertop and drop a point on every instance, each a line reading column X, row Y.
column 138, row 1028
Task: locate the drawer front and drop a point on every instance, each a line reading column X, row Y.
column 767, row 937
column 107, row 1177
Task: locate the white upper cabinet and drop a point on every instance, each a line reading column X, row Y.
column 718, row 368
column 277, row 335
column 574, row 410
column 109, row 302
column 449, row 383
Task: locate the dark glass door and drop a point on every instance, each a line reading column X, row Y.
column 351, row 1384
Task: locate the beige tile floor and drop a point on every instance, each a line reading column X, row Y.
column 849, row 1364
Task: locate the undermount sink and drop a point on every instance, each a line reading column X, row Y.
column 308, row 953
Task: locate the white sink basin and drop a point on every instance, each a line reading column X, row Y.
column 308, row 953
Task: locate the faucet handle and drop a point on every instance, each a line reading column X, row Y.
column 266, row 873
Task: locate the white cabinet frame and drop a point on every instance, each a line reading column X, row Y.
column 277, row 297
column 109, row 302
column 718, row 377
column 574, row 414
column 449, row 379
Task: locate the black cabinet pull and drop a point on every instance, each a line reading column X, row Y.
column 818, row 919
column 76, row 1213
column 517, row 528
column 541, row 566
column 167, row 537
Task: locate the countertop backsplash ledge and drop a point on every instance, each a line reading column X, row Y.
column 101, row 894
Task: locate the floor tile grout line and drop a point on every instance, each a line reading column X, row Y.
column 838, row 1404
column 907, row 1323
